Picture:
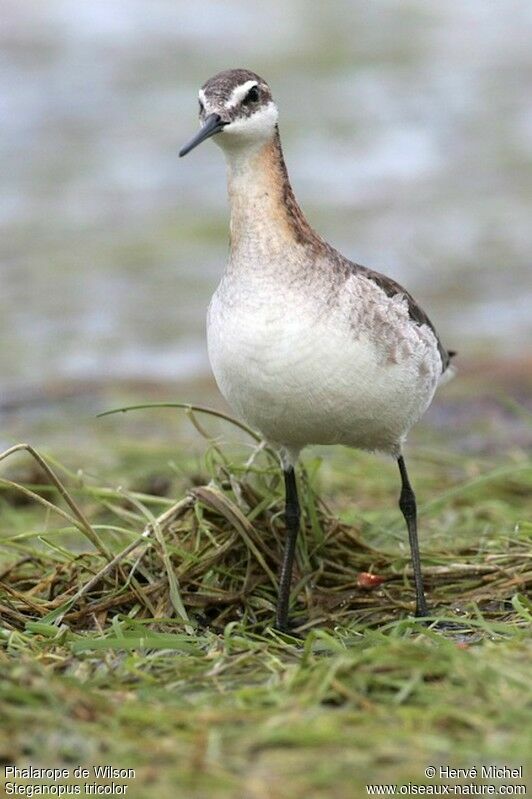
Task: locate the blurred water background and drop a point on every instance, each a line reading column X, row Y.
column 407, row 127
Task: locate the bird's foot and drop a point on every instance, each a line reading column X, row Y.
column 454, row 628
column 287, row 627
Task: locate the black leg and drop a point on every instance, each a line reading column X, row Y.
column 292, row 516
column 407, row 503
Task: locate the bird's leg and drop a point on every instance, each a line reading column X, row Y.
column 407, row 503
column 292, row 517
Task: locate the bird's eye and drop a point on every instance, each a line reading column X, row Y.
column 201, row 107
column 251, row 97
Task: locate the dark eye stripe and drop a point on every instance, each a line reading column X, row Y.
column 252, row 96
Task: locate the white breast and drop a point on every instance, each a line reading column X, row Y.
column 349, row 368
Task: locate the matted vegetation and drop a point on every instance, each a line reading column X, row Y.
column 136, row 625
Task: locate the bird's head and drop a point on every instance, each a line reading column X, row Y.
column 237, row 109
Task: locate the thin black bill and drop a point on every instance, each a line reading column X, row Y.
column 213, row 124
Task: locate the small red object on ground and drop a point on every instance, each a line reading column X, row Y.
column 368, row 581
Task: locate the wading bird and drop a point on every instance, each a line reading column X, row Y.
column 305, row 345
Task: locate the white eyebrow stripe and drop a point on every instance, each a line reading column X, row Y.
column 239, row 92
column 201, row 96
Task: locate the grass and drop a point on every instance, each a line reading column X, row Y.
column 136, row 623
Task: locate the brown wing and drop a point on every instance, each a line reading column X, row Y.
column 417, row 314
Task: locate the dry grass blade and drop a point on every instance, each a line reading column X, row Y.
column 81, row 521
column 155, row 526
column 220, row 503
column 132, row 549
column 187, row 406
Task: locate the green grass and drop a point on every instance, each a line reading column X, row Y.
column 156, row 651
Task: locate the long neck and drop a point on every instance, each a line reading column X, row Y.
column 264, row 213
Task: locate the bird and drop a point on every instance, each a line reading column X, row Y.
column 305, row 345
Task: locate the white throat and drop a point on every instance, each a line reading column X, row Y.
column 247, row 135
